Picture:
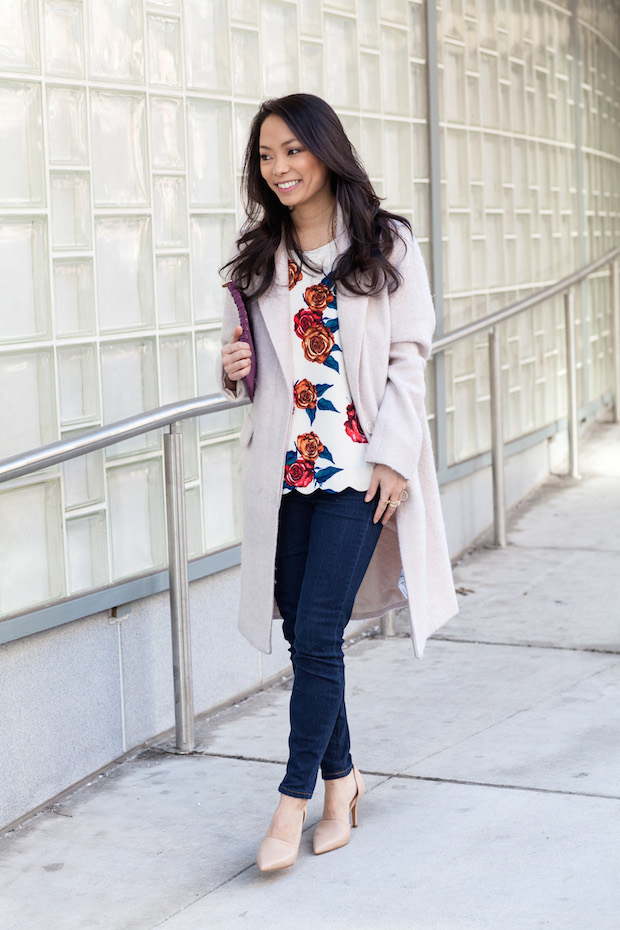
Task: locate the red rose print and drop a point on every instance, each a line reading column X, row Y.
column 309, row 446
column 317, row 343
column 318, row 296
column 305, row 394
column 352, row 425
column 299, row 474
column 294, row 274
column 304, row 319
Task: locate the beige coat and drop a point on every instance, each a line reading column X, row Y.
column 385, row 340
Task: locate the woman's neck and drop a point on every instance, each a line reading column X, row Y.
column 314, row 225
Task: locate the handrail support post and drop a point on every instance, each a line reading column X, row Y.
column 387, row 624
column 571, row 384
column 615, row 314
column 179, row 590
column 497, row 439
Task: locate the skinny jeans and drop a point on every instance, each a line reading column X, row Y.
column 325, row 543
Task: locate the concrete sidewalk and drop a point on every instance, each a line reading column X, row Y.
column 493, row 769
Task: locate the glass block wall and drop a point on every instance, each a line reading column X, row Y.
column 122, row 128
column 521, row 90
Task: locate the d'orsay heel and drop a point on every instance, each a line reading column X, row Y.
column 274, row 854
column 332, row 834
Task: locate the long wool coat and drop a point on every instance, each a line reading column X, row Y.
column 385, row 340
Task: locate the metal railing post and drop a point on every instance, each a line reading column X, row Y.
column 387, row 624
column 615, row 322
column 179, row 590
column 497, row 438
column 571, row 384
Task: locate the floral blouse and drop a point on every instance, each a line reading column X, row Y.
column 326, row 447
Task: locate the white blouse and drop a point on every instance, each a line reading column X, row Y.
column 326, row 447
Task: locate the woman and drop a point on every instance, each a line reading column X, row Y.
column 342, row 321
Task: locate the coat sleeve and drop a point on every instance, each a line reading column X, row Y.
column 230, row 320
column 397, row 436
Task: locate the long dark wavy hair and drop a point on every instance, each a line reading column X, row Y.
column 365, row 267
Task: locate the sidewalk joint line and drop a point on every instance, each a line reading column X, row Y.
column 223, row 755
column 452, row 781
column 525, row 548
column 206, row 894
column 443, row 638
column 487, row 784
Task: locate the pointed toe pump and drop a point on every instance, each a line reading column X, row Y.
column 332, row 834
column 274, row 854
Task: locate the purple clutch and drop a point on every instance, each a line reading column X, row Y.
column 246, row 335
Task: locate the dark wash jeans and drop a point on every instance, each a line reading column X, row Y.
column 325, row 543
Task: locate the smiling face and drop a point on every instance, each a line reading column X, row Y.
column 298, row 177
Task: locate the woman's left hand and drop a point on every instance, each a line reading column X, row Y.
column 390, row 485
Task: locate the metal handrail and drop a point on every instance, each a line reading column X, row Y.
column 55, row 453
column 532, row 300
column 170, row 415
column 64, row 449
column 564, row 286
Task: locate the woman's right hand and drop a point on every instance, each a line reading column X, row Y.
column 236, row 357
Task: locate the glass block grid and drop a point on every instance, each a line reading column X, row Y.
column 123, row 129
column 123, row 126
column 514, row 218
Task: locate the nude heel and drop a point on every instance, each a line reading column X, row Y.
column 332, row 834
column 354, row 814
column 274, row 854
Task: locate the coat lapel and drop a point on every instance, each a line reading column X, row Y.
column 275, row 309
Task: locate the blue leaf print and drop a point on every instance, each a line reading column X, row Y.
column 321, row 388
column 326, row 454
column 291, row 457
column 325, row 404
column 336, row 348
column 323, row 474
column 311, row 411
column 331, row 363
column 331, row 324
